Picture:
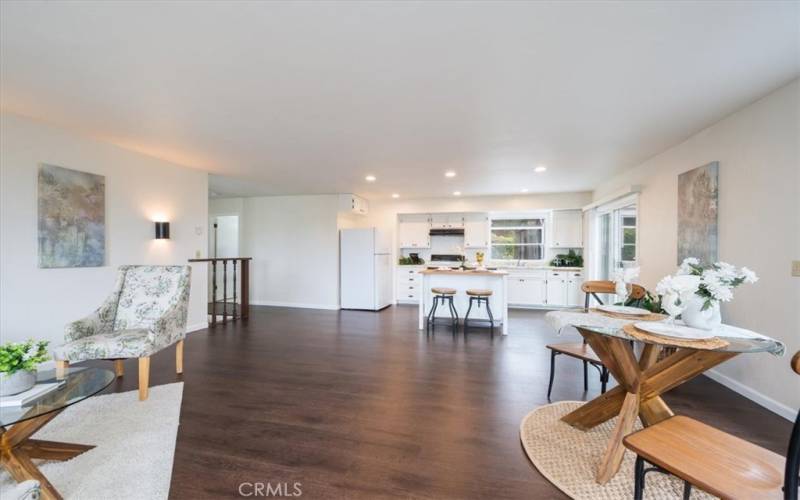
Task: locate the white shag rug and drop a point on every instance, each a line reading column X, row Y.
column 569, row 457
column 134, row 446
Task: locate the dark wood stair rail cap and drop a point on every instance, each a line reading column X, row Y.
column 220, row 259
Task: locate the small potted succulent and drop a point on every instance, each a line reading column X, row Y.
column 18, row 362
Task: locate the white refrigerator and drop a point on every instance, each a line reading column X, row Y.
column 365, row 267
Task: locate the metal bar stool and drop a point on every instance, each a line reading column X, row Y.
column 479, row 296
column 445, row 295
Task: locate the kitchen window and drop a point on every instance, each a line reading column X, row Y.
column 518, row 239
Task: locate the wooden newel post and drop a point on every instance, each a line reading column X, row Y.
column 245, row 293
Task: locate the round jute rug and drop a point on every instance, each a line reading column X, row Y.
column 568, row 458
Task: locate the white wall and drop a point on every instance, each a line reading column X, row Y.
column 294, row 242
column 759, row 227
column 225, row 206
column 37, row 303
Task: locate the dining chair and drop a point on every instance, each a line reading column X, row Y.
column 581, row 350
column 715, row 461
column 145, row 313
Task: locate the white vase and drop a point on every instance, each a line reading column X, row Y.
column 694, row 315
column 14, row 383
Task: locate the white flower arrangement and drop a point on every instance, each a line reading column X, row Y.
column 714, row 284
column 624, row 277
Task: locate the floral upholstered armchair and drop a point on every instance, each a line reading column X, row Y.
column 145, row 313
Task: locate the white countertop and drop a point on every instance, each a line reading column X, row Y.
column 540, row 268
column 512, row 268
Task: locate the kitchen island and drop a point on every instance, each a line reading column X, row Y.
column 461, row 281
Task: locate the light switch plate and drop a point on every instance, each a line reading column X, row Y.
column 198, row 254
column 796, row 268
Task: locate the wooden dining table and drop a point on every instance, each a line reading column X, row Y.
column 643, row 379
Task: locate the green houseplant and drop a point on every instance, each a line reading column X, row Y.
column 18, row 362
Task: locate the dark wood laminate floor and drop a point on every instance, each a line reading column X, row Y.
column 362, row 405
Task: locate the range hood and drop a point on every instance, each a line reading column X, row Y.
column 447, row 232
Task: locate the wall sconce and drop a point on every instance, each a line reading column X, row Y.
column 162, row 230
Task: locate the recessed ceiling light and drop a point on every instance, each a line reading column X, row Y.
column 456, row 193
column 370, row 178
column 449, row 173
column 540, row 169
column 395, row 195
column 524, row 190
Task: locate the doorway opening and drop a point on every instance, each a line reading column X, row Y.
column 223, row 243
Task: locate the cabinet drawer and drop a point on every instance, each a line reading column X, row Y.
column 527, row 274
column 407, row 271
column 407, row 293
column 410, row 278
column 407, row 288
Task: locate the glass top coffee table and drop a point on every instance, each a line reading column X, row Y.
column 19, row 423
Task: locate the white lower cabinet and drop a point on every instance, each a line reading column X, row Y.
column 557, row 288
column 527, row 289
column 409, row 282
column 545, row 288
column 564, row 288
column 575, row 296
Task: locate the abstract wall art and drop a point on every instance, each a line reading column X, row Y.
column 698, row 198
column 72, row 218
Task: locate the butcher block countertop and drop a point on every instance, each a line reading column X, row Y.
column 463, row 272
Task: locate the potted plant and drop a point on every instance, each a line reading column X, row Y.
column 18, row 362
column 696, row 291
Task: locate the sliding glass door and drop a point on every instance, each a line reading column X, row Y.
column 616, row 239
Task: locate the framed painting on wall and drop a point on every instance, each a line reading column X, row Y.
column 698, row 200
column 71, row 218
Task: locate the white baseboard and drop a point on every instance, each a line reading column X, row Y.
column 196, row 326
column 300, row 305
column 753, row 395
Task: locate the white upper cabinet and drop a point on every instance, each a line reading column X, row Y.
column 567, row 229
column 353, row 203
column 476, row 231
column 447, row 221
column 414, row 231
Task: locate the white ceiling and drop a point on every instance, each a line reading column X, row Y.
column 287, row 98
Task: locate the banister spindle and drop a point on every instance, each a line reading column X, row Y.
column 213, row 293
column 234, row 290
column 224, row 290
